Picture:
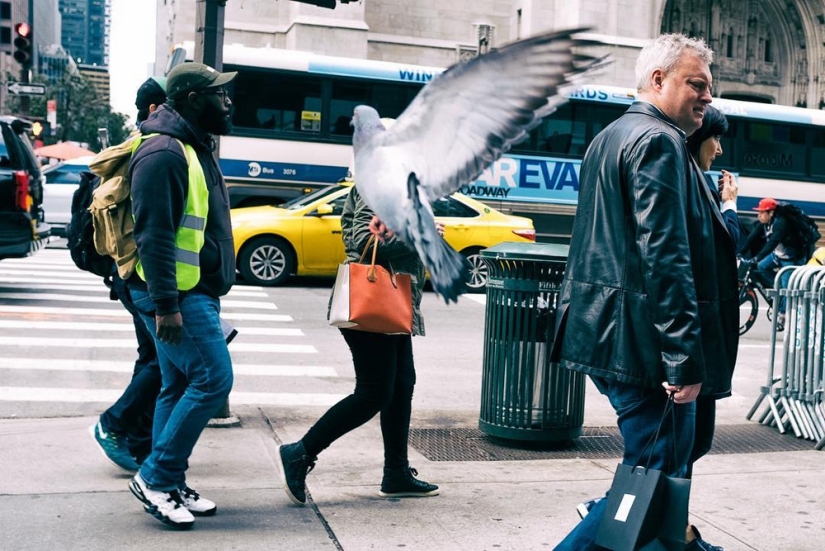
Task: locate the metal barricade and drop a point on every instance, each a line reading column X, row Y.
column 525, row 397
column 795, row 397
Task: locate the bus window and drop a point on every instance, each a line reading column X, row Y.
column 346, row 96
column 818, row 154
column 563, row 132
column 277, row 102
column 773, row 147
column 390, row 100
column 601, row 116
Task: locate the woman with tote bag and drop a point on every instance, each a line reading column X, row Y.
column 384, row 376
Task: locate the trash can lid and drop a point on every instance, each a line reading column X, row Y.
column 527, row 251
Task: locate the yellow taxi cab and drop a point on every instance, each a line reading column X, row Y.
column 303, row 236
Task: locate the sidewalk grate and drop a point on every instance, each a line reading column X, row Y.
column 595, row 443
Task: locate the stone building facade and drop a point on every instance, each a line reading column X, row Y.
column 766, row 50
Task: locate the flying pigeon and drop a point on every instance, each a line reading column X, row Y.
column 457, row 126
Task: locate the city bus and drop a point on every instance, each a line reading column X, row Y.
column 291, row 135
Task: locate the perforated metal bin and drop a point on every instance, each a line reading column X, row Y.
column 525, row 397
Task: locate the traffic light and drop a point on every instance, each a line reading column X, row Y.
column 41, row 128
column 23, row 43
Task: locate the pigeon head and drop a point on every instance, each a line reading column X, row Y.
column 367, row 123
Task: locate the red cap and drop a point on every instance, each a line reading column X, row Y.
column 767, row 204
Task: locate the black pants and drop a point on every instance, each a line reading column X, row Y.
column 384, row 381
column 133, row 412
column 705, row 428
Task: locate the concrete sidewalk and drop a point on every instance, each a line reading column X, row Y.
column 57, row 492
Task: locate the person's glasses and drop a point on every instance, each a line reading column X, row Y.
column 222, row 94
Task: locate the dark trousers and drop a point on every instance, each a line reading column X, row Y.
column 705, row 428
column 639, row 411
column 133, row 412
column 384, row 381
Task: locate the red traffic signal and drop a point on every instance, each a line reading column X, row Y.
column 23, row 43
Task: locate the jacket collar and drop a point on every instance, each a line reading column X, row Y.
column 647, row 108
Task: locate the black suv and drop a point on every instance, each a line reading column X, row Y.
column 22, row 229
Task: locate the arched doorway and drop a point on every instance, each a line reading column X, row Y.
column 768, row 51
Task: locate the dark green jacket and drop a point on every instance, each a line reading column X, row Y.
column 392, row 254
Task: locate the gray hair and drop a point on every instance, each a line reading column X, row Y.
column 664, row 53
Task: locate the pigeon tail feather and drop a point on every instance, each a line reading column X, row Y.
column 449, row 271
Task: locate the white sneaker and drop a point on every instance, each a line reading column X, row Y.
column 197, row 505
column 167, row 507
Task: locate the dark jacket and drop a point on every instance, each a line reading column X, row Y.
column 770, row 236
column 392, row 253
column 730, row 216
column 160, row 180
column 650, row 289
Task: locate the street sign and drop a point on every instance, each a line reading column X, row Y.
column 24, row 89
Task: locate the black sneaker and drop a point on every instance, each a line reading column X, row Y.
column 402, row 483
column 698, row 544
column 295, row 464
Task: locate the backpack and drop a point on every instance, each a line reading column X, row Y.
column 804, row 230
column 111, row 205
column 80, row 230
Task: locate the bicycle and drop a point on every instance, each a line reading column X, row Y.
column 748, row 288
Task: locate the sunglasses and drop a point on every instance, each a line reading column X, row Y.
column 222, row 94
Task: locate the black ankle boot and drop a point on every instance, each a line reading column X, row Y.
column 401, row 482
column 295, row 464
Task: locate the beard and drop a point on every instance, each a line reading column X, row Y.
column 215, row 120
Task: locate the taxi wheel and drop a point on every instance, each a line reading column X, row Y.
column 478, row 271
column 266, row 261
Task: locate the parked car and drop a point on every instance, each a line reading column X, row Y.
column 61, row 181
column 303, row 236
column 22, row 228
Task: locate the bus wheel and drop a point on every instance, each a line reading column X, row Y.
column 748, row 310
column 266, row 261
column 478, row 271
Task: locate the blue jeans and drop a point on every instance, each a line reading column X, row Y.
column 196, row 380
column 769, row 266
column 639, row 412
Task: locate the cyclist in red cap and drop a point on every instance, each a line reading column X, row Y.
column 779, row 248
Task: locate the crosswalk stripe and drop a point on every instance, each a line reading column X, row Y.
column 97, row 366
column 27, row 284
column 75, row 395
column 103, row 327
column 35, row 280
column 63, row 274
column 54, row 296
column 251, row 304
column 243, row 316
column 45, row 342
column 116, row 311
column 120, row 312
column 241, row 292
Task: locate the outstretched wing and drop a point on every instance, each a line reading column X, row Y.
column 465, row 118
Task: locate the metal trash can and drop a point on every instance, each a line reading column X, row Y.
column 525, row 397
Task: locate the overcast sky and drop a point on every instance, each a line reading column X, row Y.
column 131, row 50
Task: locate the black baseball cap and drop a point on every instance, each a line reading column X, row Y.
column 194, row 77
column 151, row 92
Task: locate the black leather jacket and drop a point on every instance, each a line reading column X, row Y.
column 650, row 290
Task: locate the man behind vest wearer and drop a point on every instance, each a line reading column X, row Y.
column 124, row 431
column 186, row 261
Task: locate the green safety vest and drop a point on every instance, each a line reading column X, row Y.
column 190, row 235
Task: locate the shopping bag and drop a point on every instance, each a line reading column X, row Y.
column 646, row 509
column 368, row 297
column 634, row 508
column 671, row 533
